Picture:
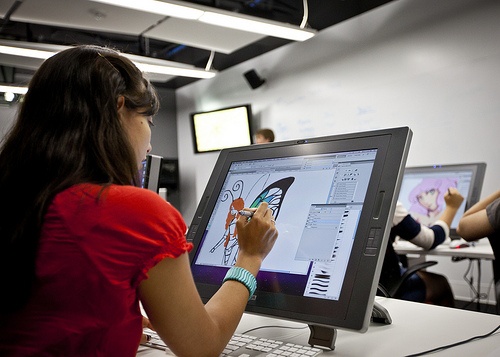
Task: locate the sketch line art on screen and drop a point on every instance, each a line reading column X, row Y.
column 273, row 194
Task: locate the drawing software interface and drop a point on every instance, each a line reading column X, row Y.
column 316, row 201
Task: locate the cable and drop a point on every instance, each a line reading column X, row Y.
column 477, row 296
column 273, row 326
column 306, row 15
column 455, row 344
column 210, row 59
column 470, row 281
column 383, row 290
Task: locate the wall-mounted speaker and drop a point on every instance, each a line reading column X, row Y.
column 254, row 79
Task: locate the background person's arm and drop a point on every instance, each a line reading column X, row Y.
column 431, row 237
column 475, row 224
column 453, row 200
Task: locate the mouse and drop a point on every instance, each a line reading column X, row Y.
column 459, row 243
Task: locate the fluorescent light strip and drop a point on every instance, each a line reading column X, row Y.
column 13, row 89
column 157, row 7
column 218, row 18
column 149, row 68
column 26, row 52
column 257, row 26
column 175, row 71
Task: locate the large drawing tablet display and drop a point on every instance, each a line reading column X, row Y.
column 333, row 199
column 423, row 189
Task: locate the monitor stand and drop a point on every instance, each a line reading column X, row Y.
column 323, row 336
column 380, row 314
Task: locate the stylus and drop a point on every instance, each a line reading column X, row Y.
column 246, row 213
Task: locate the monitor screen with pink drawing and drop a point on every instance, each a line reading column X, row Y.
column 423, row 189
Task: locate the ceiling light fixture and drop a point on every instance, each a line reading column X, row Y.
column 26, row 52
column 145, row 64
column 13, row 89
column 157, row 7
column 217, row 17
column 175, row 71
column 260, row 26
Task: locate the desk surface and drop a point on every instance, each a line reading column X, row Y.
column 416, row 327
column 480, row 250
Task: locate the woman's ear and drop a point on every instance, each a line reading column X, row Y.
column 120, row 104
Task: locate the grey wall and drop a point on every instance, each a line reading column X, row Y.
column 430, row 65
column 164, row 133
column 7, row 116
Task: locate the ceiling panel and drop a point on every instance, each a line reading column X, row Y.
column 83, row 14
column 201, row 35
column 5, row 5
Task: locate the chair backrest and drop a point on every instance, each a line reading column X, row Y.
column 411, row 270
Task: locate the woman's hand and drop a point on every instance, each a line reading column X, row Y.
column 257, row 235
column 146, row 323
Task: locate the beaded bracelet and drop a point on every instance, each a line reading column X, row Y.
column 243, row 276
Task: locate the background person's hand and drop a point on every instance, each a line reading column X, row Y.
column 453, row 198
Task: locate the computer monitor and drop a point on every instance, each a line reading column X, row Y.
column 150, row 173
column 333, row 200
column 223, row 128
column 423, row 189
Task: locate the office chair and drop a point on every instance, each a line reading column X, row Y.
column 379, row 313
column 394, row 292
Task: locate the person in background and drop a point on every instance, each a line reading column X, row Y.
column 81, row 244
column 483, row 220
column 264, row 136
column 423, row 286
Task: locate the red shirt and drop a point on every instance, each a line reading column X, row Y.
column 95, row 249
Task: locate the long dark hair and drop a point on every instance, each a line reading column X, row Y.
column 67, row 132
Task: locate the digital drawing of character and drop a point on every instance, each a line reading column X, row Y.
column 427, row 199
column 229, row 238
column 273, row 194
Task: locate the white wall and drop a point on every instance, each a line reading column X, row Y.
column 430, row 65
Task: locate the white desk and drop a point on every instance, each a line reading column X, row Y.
column 415, row 327
column 480, row 250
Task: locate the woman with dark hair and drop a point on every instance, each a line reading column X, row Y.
column 80, row 244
